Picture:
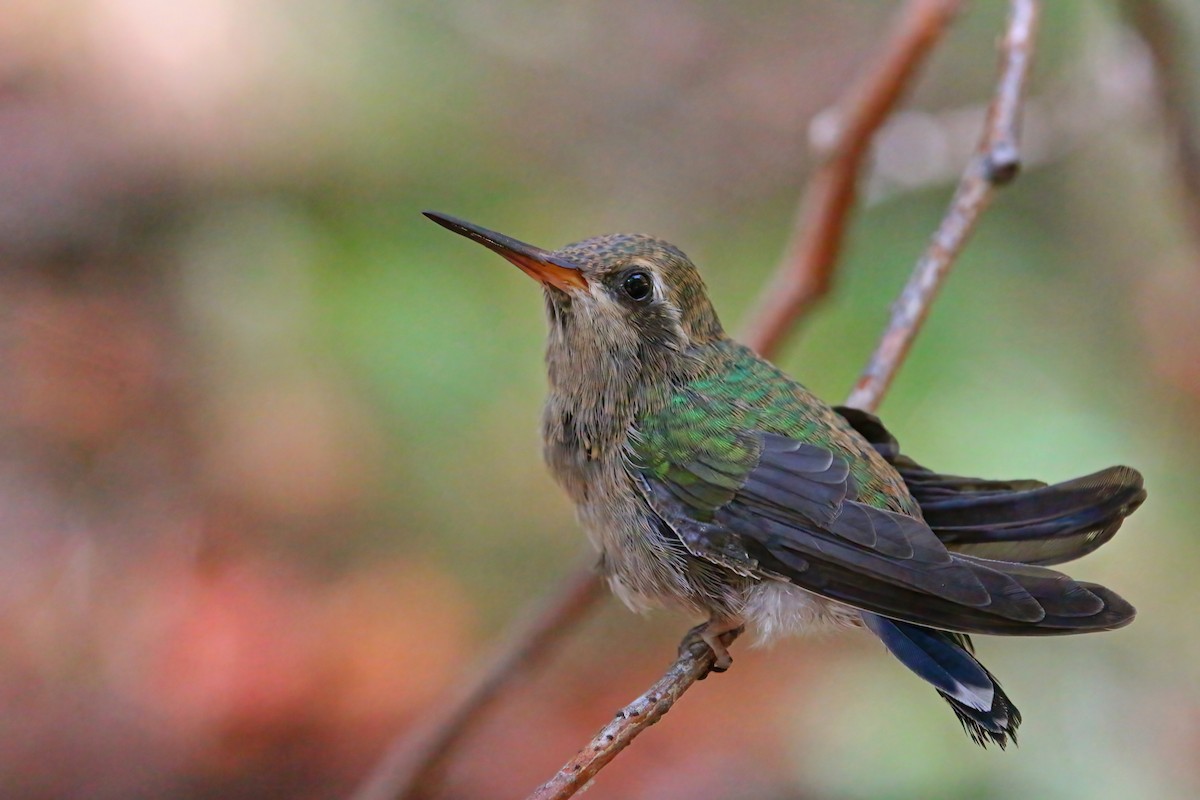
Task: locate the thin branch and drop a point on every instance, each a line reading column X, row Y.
column 996, row 162
column 806, row 271
column 692, row 665
column 407, row 771
column 1158, row 27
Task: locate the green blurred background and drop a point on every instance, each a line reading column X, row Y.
column 270, row 478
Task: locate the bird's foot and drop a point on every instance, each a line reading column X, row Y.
column 715, row 635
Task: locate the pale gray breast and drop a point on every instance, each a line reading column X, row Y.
column 574, row 451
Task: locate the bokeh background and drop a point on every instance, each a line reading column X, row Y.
column 270, row 478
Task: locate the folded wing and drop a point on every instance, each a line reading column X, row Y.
column 790, row 509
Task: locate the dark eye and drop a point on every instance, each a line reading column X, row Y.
column 637, row 285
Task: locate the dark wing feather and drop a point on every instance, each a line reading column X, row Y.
column 971, row 596
column 795, row 515
column 799, row 478
column 1023, row 521
column 830, row 578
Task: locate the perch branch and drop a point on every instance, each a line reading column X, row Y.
column 996, row 162
column 692, row 665
column 806, row 272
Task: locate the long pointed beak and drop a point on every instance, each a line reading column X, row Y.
column 539, row 264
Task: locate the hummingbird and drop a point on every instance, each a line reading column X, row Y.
column 713, row 483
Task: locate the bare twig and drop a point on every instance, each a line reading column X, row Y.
column 408, row 771
column 806, row 271
column 1158, row 28
column 996, row 162
column 692, row 665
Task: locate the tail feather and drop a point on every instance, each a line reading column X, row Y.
column 945, row 661
column 1024, row 521
column 1025, row 600
column 1005, row 531
column 1040, row 525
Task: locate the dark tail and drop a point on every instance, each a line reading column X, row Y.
column 1023, row 521
column 945, row 660
column 1020, row 522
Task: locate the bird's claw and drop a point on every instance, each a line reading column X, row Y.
column 714, row 638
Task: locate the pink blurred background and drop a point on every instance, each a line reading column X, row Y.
column 269, row 473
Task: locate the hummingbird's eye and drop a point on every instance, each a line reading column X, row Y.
column 637, row 285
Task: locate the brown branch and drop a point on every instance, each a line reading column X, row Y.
column 996, row 162
column 409, row 771
column 806, row 271
column 692, row 665
column 1158, row 28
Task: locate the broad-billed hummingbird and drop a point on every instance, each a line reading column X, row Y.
column 712, row 482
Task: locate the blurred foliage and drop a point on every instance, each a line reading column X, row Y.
column 270, row 478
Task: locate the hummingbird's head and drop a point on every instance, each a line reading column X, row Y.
column 628, row 294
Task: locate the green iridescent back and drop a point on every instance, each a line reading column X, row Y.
column 704, row 439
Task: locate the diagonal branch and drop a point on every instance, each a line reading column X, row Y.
column 691, row 666
column 996, row 162
column 806, row 272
